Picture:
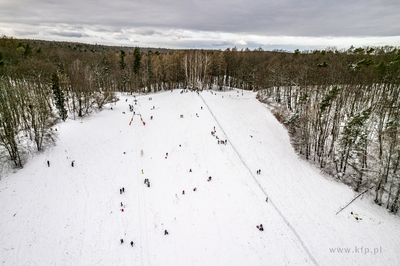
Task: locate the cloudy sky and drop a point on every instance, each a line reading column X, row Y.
column 208, row 24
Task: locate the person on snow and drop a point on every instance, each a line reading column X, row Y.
column 194, row 189
column 123, row 189
column 132, row 243
column 190, row 170
column 183, row 192
column 148, row 184
column 48, row 163
column 120, row 191
column 122, row 204
column 72, row 163
column 165, row 232
column 209, row 178
column 266, row 199
column 260, row 227
column 122, row 241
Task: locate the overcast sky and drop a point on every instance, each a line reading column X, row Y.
column 208, row 24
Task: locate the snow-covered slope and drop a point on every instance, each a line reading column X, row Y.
column 64, row 215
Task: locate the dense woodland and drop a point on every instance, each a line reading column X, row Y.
column 341, row 107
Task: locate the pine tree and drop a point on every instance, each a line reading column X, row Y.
column 353, row 141
column 122, row 62
column 136, row 62
column 59, row 97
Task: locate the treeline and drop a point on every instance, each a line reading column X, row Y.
column 341, row 106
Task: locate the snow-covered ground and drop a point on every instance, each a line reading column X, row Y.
column 64, row 215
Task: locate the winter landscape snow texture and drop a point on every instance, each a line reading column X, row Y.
column 64, row 215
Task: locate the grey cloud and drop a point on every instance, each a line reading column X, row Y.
column 25, row 32
column 104, row 28
column 173, row 19
column 68, row 34
column 142, row 31
column 264, row 17
column 120, row 37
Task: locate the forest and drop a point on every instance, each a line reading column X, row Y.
column 340, row 106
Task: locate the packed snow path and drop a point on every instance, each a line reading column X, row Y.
column 63, row 215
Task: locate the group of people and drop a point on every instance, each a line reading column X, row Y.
column 213, row 133
column 356, row 216
column 122, row 241
column 222, row 142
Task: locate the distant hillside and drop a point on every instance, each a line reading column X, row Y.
column 85, row 47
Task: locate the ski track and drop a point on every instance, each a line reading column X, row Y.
column 63, row 215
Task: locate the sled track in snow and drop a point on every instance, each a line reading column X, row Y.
column 262, row 189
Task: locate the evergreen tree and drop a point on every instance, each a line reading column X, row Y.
column 59, row 97
column 122, row 62
column 137, row 58
column 353, row 141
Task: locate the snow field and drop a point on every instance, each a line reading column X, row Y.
column 63, row 215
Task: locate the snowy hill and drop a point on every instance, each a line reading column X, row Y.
column 64, row 215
